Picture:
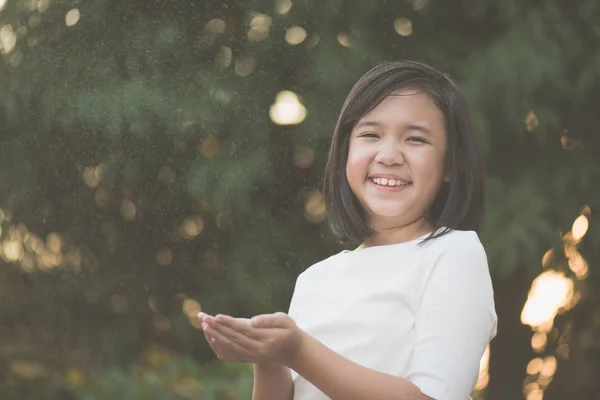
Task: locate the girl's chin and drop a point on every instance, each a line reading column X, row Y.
column 376, row 214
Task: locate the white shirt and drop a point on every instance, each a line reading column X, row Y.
column 424, row 313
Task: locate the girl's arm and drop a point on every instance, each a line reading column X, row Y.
column 342, row 379
column 272, row 382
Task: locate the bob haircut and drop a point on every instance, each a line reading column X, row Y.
column 459, row 203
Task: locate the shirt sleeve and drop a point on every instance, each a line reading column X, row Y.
column 456, row 320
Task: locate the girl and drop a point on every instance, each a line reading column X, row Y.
column 409, row 313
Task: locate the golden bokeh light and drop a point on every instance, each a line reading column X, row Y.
column 54, row 242
column 539, row 340
column 418, row 5
column 484, row 376
column 586, row 210
column 403, row 26
column 259, row 27
column 287, row 109
column 2, row 4
column 315, row 209
column 8, row 39
column 72, row 17
column 580, row 227
column 295, row 35
column 535, row 366
column 531, row 121
column 128, row 210
column 90, row 177
column 216, row 26
column 578, row 265
column 535, row 394
column 191, row 227
column 283, row 6
column 569, row 245
column 12, row 250
column 547, row 258
column 531, row 386
column 43, row 5
column 549, row 368
column 344, row 39
column 550, row 291
column 191, row 308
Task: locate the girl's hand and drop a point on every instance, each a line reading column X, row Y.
column 269, row 338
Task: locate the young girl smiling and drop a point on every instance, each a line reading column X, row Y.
column 408, row 314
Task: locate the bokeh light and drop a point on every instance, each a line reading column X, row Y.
column 484, row 375
column 550, row 291
column 259, row 27
column 314, row 208
column 403, row 26
column 295, row 35
column 283, row 6
column 580, row 227
column 191, row 227
column 344, row 39
column 287, row 109
column 531, row 121
column 216, row 26
column 72, row 17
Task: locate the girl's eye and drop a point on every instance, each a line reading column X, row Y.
column 369, row 135
column 417, row 139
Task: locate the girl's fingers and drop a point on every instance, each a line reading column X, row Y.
column 233, row 335
column 226, row 349
column 241, row 325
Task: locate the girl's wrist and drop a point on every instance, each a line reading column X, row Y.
column 298, row 352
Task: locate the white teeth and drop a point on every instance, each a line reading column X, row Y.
column 390, row 182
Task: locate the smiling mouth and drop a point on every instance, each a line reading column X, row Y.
column 389, row 182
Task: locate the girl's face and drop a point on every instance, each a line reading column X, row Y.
column 396, row 159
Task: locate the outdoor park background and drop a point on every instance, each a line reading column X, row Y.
column 159, row 157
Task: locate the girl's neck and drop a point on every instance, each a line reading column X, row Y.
column 398, row 234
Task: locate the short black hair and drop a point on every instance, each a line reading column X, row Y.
column 460, row 203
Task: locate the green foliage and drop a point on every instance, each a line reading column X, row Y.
column 176, row 380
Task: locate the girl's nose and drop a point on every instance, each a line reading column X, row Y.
column 390, row 154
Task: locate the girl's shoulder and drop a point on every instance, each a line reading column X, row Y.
column 463, row 249
column 318, row 266
column 456, row 239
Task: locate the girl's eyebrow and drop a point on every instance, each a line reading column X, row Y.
column 410, row 127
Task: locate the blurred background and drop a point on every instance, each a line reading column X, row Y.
column 162, row 157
